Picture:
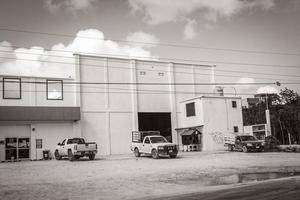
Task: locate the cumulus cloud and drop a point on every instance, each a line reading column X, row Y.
column 69, row 5
column 143, row 39
column 190, row 29
column 159, row 12
column 59, row 60
column 267, row 89
column 247, row 87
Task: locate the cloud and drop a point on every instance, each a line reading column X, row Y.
column 68, row 5
column 143, row 39
column 267, row 89
column 156, row 12
column 245, row 88
column 59, row 60
column 190, row 29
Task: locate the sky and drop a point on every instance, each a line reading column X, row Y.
column 249, row 41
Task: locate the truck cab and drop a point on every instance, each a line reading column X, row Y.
column 246, row 143
column 152, row 143
column 74, row 148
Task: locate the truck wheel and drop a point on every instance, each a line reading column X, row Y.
column 76, row 157
column 57, row 156
column 245, row 150
column 92, row 156
column 230, row 148
column 154, row 154
column 137, row 152
column 173, row 156
column 70, row 155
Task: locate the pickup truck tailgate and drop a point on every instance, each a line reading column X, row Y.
column 87, row 147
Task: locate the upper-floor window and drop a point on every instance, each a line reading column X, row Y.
column 236, row 129
column 54, row 89
column 234, row 104
column 190, row 109
column 11, row 88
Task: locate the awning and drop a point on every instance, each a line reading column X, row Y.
column 188, row 132
column 37, row 113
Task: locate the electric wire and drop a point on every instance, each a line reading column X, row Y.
column 149, row 43
column 177, row 66
column 153, row 58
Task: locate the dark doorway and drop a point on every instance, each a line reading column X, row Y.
column 156, row 122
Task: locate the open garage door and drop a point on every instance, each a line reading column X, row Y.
column 156, row 122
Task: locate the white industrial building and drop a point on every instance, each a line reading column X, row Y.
column 35, row 114
column 115, row 96
column 207, row 120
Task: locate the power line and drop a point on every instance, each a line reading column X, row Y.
column 157, row 44
column 111, row 66
column 154, row 83
column 89, row 54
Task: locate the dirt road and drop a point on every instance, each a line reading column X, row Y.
column 125, row 177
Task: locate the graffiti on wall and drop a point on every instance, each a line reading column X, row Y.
column 217, row 137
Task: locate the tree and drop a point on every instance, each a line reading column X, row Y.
column 285, row 115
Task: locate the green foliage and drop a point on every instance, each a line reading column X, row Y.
column 285, row 115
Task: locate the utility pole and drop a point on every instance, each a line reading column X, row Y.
column 268, row 117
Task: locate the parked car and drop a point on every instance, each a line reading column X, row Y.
column 75, row 148
column 245, row 143
column 152, row 143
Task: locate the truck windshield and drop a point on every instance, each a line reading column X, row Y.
column 158, row 140
column 247, row 138
column 76, row 141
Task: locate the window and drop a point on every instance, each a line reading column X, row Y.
column 11, row 88
column 234, row 104
column 236, row 129
column 143, row 73
column 190, row 109
column 54, row 89
column 161, row 74
column 147, row 141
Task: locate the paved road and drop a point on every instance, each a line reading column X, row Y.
column 281, row 189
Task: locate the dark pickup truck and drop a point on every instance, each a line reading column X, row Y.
column 246, row 143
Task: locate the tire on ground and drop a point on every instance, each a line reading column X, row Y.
column 137, row 152
column 92, row 156
column 173, row 156
column 244, row 148
column 57, row 156
column 154, row 154
column 70, row 155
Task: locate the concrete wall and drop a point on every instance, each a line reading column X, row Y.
column 110, row 111
column 35, row 94
column 219, row 119
column 192, row 121
column 50, row 133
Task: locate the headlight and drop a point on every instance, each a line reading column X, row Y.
column 160, row 148
column 249, row 145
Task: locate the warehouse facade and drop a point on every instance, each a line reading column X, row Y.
column 104, row 102
column 136, row 95
column 35, row 114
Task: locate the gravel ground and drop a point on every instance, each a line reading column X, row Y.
column 127, row 177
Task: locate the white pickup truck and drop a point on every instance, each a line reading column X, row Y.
column 74, row 148
column 152, row 143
